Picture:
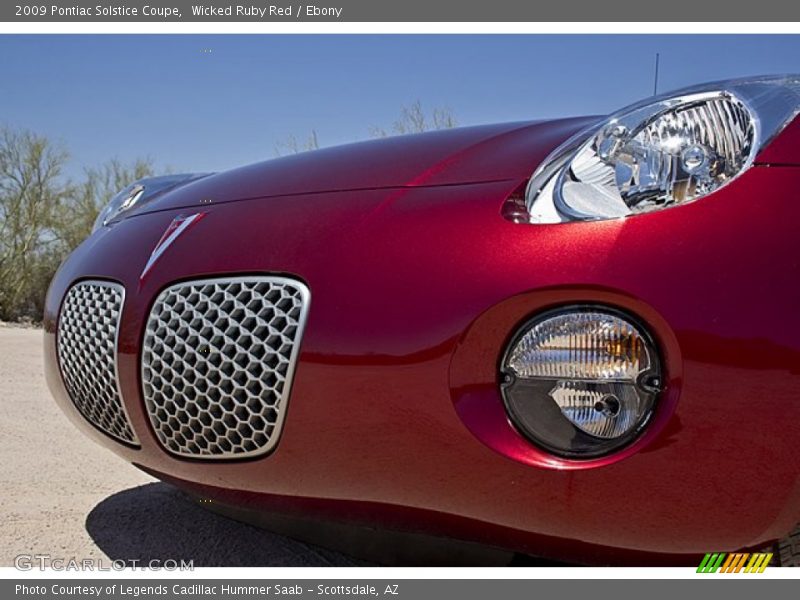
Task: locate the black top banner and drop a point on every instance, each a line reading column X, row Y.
column 396, row 11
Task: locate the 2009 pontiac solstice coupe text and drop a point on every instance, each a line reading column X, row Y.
column 555, row 337
column 166, row 12
column 100, row 10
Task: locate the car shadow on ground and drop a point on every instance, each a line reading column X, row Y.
column 156, row 522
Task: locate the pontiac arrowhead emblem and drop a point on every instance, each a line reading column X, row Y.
column 176, row 228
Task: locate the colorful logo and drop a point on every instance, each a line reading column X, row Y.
column 735, row 562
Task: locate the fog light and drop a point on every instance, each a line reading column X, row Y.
column 581, row 381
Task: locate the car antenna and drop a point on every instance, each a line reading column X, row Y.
column 655, row 76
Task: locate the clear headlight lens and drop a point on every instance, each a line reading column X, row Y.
column 581, row 381
column 138, row 193
column 123, row 201
column 662, row 152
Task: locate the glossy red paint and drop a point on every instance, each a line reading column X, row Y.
column 784, row 149
column 456, row 157
column 417, row 283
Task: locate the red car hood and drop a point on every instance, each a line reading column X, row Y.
column 457, row 156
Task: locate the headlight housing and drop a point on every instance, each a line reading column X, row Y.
column 121, row 202
column 664, row 151
column 581, row 381
column 139, row 192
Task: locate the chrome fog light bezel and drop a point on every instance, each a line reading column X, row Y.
column 532, row 415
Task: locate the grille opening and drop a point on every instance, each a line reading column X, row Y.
column 88, row 327
column 217, row 363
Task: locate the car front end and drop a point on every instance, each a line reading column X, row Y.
column 574, row 338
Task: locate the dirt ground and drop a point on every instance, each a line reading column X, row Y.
column 65, row 496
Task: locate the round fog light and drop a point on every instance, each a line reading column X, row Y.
column 581, row 381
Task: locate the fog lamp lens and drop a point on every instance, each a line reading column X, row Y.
column 581, row 381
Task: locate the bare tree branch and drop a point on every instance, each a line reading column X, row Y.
column 414, row 119
column 291, row 145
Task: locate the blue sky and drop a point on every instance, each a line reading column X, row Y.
column 170, row 98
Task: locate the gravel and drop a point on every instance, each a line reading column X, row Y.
column 67, row 497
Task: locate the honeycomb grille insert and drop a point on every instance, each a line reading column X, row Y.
column 87, row 346
column 217, row 364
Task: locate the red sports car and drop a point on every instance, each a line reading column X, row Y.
column 577, row 338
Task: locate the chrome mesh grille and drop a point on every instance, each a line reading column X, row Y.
column 217, row 363
column 87, row 344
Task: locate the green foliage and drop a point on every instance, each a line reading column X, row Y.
column 44, row 216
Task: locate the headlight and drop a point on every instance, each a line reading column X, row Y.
column 123, row 201
column 138, row 193
column 581, row 381
column 662, row 152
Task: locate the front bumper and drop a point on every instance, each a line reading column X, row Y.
column 395, row 413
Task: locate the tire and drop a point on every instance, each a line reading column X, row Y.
column 787, row 550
